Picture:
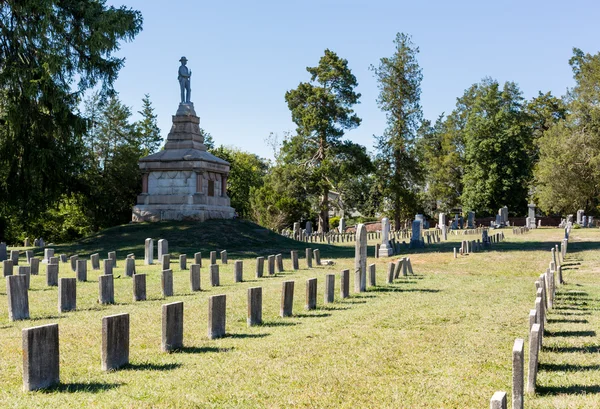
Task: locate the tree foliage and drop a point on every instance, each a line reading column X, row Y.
column 51, row 52
column 399, row 78
column 322, row 110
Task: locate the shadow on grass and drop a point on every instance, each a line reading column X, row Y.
column 554, row 312
column 570, row 333
column 278, row 324
column 202, row 350
column 570, row 390
column 566, row 367
column 92, row 387
column 317, row 315
column 566, row 320
column 403, row 290
column 351, row 301
column 571, row 307
column 46, row 317
column 244, row 336
column 333, row 308
column 148, row 366
column 591, row 349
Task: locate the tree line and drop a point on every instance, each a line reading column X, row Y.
column 69, row 149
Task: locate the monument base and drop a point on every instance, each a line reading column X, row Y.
column 385, row 251
column 417, row 244
column 156, row 213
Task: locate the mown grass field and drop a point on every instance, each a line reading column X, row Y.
column 441, row 339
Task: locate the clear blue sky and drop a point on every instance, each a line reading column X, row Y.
column 245, row 55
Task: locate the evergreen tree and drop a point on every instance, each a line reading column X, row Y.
column 399, row 78
column 50, row 53
column 147, row 128
column 322, row 111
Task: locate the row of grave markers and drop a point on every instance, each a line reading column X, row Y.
column 545, row 295
column 471, row 246
column 41, row 344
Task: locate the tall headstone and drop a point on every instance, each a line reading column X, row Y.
column 163, row 248
column 238, row 271
column 385, row 250
column 311, row 294
column 166, row 281
column 471, row 220
column 287, row 298
column 52, row 275
column 48, row 254
column 81, row 270
column 115, row 341
column 106, row 289
column 18, row 297
column 345, row 284
column 580, row 214
column 254, row 306
column 260, row 266
column 67, row 294
column 139, row 287
column 329, row 288
column 342, row 225
column 34, row 262
column 7, row 268
column 195, row 277
column 518, row 374
column 40, row 357
column 214, row 275
column 360, row 259
column 3, row 254
column 308, row 228
column 531, row 216
column 149, row 252
column 416, row 241
column 95, row 259
column 172, row 326
column 217, row 306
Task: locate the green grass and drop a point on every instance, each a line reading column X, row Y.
column 442, row 339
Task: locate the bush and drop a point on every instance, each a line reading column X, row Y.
column 334, row 222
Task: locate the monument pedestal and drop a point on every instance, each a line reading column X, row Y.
column 183, row 181
column 385, row 250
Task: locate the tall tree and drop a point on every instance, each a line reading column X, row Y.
column 50, row 53
column 568, row 172
column 322, row 110
column 498, row 142
column 147, row 128
column 399, row 78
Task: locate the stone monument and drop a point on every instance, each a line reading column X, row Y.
column 385, row 250
column 183, row 181
column 531, row 223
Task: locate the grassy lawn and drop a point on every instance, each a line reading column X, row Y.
column 441, row 339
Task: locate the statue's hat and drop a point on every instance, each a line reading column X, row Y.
column 183, row 59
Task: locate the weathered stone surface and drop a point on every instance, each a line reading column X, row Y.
column 317, row 256
column 129, row 267
column 3, row 254
column 213, row 257
column 260, row 266
column 217, row 308
column 40, row 357
column 139, row 287
column 166, row 281
column 51, row 275
column 214, row 275
column 108, row 266
column 163, row 248
column 172, row 326
column 372, row 278
column 18, row 297
column 54, row 260
column 287, row 298
column 95, row 259
column 329, row 295
column 498, row 400
column 48, row 253
column 311, row 294
column 360, row 259
column 81, row 270
column 198, row 259
column 115, row 341
column 390, row 274
column 149, row 252
column 14, row 256
column 182, row 262
column 398, row 267
column 106, row 287
column 534, row 347
column 279, row 263
column 271, row 265
column 345, row 284
column 518, row 368
column 34, row 263
column 409, row 265
column 26, row 272
column 254, row 306
column 67, row 294
column 195, row 277
column 7, row 267
column 28, row 256
column 224, row 257
column 385, row 249
column 112, row 255
column 309, row 257
column 166, row 261
column 73, row 260
column 238, row 271
column 294, row 257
